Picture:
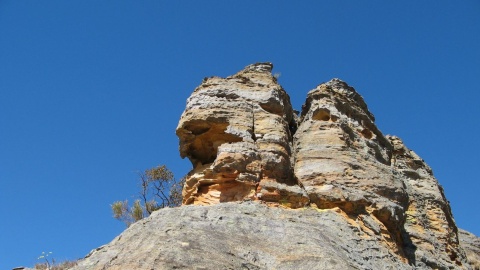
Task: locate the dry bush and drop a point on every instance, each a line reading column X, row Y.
column 56, row 266
column 158, row 189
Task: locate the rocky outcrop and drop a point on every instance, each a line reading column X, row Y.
column 237, row 133
column 471, row 245
column 273, row 190
column 343, row 160
column 245, row 235
column 246, row 143
column 429, row 226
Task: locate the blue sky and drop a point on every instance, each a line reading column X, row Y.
column 91, row 93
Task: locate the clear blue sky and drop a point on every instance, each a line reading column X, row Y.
column 91, row 92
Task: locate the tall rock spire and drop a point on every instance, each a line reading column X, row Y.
column 343, row 160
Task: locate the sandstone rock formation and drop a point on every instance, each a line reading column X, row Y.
column 273, row 190
column 471, row 244
column 246, row 143
column 248, row 235
column 429, row 222
column 244, row 235
column 343, row 160
column 237, row 133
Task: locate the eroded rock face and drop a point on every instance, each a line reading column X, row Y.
column 245, row 235
column 245, row 143
column 429, row 225
column 471, row 245
column 237, row 133
column 250, row 235
column 360, row 200
column 343, row 160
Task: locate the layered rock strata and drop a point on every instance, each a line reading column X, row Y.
column 343, row 160
column 237, row 133
column 471, row 245
column 348, row 197
column 429, row 227
column 246, row 143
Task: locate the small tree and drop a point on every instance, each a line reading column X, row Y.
column 158, row 189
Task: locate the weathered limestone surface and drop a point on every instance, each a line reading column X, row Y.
column 345, row 195
column 237, row 133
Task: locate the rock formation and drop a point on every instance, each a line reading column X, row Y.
column 429, row 223
column 244, row 235
column 471, row 244
column 237, row 132
column 343, row 161
column 271, row 189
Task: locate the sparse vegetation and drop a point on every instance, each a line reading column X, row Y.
column 60, row 266
column 158, row 189
column 49, row 263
